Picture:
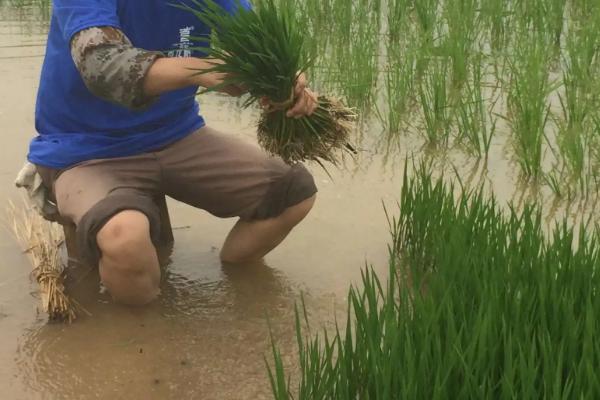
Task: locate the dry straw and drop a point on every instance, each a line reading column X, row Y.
column 41, row 241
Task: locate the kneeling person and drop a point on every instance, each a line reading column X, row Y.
column 118, row 124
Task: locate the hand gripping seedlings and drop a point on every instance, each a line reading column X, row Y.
column 261, row 50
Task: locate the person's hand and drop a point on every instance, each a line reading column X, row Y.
column 305, row 100
column 213, row 79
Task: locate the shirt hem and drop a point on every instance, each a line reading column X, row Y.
column 168, row 141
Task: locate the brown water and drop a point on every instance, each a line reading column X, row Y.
column 207, row 335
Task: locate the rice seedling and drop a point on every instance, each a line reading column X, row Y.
column 527, row 102
column 318, row 23
column 596, row 143
column 530, row 18
column 496, row 17
column 574, row 136
column 475, row 124
column 343, row 21
column 578, row 100
column 479, row 303
column 312, row 18
column 460, row 17
column 41, row 241
column 400, row 81
column 435, row 100
column 39, row 9
column 542, row 17
column 554, row 180
column 39, row 4
column 554, row 13
column 427, row 17
column 583, row 10
column 262, row 50
column 356, row 55
column 357, row 70
column 18, row 3
column 398, row 13
column 375, row 8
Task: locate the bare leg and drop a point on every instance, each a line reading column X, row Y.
column 250, row 241
column 129, row 265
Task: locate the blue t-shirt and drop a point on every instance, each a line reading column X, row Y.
column 73, row 124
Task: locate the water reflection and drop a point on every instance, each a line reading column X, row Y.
column 244, row 291
column 205, row 328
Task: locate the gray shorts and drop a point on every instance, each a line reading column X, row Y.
column 207, row 169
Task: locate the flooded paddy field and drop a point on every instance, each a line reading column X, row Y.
column 207, row 335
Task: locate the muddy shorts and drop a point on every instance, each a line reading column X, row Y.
column 207, row 169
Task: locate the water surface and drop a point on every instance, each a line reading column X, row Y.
column 206, row 337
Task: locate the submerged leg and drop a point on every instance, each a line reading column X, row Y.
column 129, row 266
column 250, row 241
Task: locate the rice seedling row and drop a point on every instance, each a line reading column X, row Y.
column 528, row 107
column 479, row 303
column 366, row 46
column 376, row 55
column 476, row 125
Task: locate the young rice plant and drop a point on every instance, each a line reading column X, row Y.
column 262, row 49
column 479, row 304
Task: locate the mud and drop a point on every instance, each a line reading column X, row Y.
column 207, row 335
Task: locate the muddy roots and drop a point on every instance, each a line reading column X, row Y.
column 318, row 137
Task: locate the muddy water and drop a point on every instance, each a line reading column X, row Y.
column 205, row 338
column 207, row 335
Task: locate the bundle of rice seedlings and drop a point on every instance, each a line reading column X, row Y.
column 41, row 241
column 262, row 50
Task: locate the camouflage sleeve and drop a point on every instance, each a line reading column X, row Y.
column 111, row 67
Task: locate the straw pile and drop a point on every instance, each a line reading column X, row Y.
column 262, row 51
column 41, row 241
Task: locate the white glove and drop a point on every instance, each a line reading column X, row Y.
column 29, row 179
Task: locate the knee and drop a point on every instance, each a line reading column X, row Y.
column 124, row 235
column 302, row 194
column 129, row 266
column 296, row 213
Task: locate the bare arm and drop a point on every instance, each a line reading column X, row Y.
column 168, row 74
